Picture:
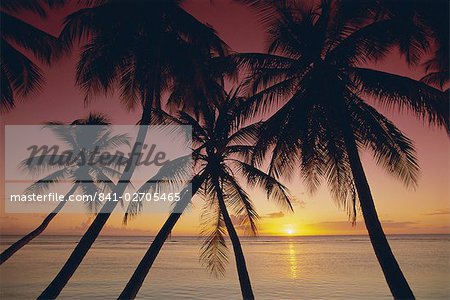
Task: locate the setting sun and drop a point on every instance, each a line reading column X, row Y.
column 289, row 229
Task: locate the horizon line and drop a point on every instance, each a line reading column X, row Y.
column 246, row 236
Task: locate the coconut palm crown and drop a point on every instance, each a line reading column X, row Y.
column 314, row 83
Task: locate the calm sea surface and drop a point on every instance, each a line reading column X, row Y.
column 334, row 267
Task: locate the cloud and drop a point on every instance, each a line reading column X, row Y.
column 112, row 230
column 444, row 228
column 333, row 226
column 116, row 230
column 442, row 211
column 8, row 218
column 274, row 215
column 298, row 202
column 396, row 224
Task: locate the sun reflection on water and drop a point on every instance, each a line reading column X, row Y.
column 292, row 259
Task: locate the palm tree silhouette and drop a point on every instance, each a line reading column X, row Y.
column 413, row 28
column 143, row 57
column 87, row 178
column 313, row 74
column 220, row 152
column 20, row 76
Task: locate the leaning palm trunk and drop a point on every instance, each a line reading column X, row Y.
column 29, row 237
column 244, row 278
column 134, row 284
column 89, row 237
column 395, row 279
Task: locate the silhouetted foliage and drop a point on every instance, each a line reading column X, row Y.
column 222, row 149
column 88, row 179
column 20, row 76
column 313, row 73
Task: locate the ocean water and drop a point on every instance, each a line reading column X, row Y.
column 331, row 267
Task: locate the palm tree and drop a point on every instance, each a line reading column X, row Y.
column 20, row 76
column 142, row 57
column 413, row 27
column 219, row 155
column 313, row 75
column 87, row 178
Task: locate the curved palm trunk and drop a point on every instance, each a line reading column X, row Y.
column 244, row 278
column 395, row 279
column 137, row 279
column 29, row 237
column 89, row 237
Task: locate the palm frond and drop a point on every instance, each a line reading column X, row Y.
column 101, row 64
column 14, row 6
column 245, row 135
column 241, row 204
column 437, row 79
column 42, row 163
column 23, row 75
column 362, row 44
column 106, row 141
column 253, row 62
column 278, row 141
column 7, row 101
column 89, row 187
column 265, row 10
column 40, row 43
column 391, row 148
column 78, row 25
column 66, row 134
column 170, row 177
column 214, row 251
column 403, row 93
column 94, row 118
column 274, row 189
column 335, row 169
column 44, row 184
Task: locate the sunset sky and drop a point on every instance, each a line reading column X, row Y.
column 402, row 210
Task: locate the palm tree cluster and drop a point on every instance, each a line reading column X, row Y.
column 313, row 88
